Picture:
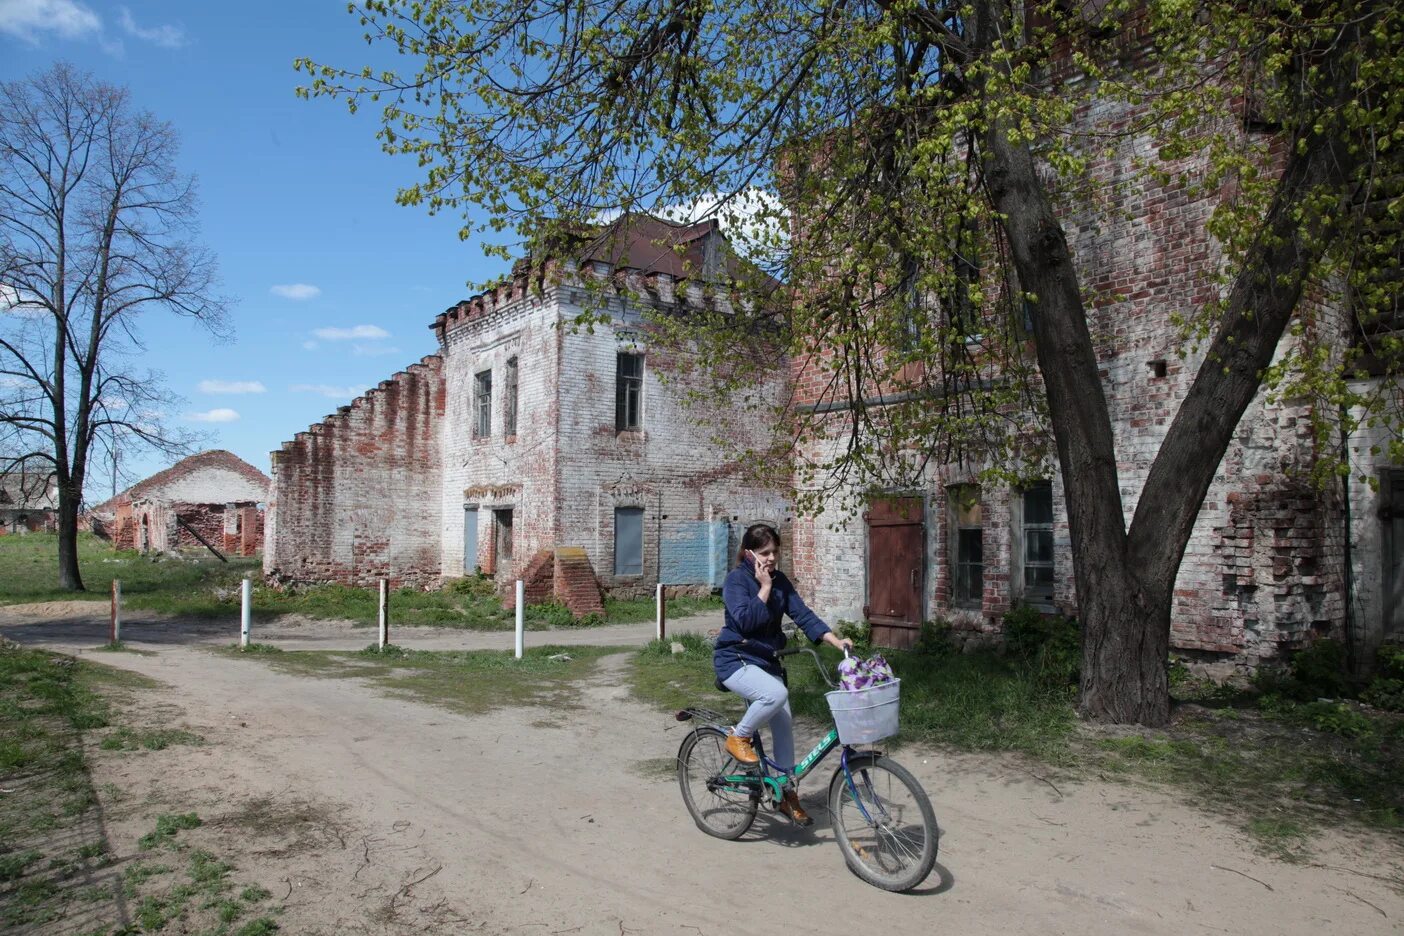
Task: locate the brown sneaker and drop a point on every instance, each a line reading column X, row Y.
column 740, row 748
column 790, row 806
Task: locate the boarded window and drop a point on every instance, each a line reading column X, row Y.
column 968, row 545
column 628, row 541
column 1038, row 542
column 482, row 404
column 509, row 400
column 628, row 392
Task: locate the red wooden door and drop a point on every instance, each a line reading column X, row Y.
column 896, row 570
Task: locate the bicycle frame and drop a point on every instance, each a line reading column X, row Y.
column 776, row 783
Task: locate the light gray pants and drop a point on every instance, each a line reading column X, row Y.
column 770, row 705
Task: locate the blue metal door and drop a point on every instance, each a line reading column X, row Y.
column 470, row 538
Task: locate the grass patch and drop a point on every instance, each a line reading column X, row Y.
column 119, row 646
column 203, row 899
column 167, row 826
column 1277, row 767
column 129, row 739
column 47, row 703
column 470, row 682
column 204, row 587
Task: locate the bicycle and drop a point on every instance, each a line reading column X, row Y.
column 882, row 819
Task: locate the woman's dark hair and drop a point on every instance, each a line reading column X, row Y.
column 757, row 536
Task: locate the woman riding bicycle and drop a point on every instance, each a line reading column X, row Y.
column 757, row 595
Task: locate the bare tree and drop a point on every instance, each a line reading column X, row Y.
column 96, row 228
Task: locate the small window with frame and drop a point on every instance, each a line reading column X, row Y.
column 1038, row 542
column 482, row 404
column 967, row 546
column 628, row 397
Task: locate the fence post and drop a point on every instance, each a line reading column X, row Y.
column 661, row 613
column 384, row 613
column 521, row 616
column 245, row 611
column 116, row 634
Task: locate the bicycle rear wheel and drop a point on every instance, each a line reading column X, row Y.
column 719, row 808
column 883, row 822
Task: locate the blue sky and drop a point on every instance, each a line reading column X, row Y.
column 335, row 285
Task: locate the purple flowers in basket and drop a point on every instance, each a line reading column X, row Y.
column 855, row 673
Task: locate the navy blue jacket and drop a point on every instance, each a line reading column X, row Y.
column 752, row 632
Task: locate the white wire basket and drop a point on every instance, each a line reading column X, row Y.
column 864, row 716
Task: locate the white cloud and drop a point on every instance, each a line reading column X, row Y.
column 27, row 19
column 310, row 345
column 364, row 332
column 333, row 393
column 361, row 350
column 297, row 291
column 232, row 386
column 221, row 415
column 168, row 37
column 11, row 301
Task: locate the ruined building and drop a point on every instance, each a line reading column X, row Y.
column 212, row 501
column 530, row 448
column 1274, row 561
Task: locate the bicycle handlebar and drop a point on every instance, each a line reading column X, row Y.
column 818, row 664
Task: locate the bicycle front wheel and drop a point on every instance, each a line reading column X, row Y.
column 883, row 822
column 719, row 808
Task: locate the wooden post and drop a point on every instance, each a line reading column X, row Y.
column 521, row 617
column 245, row 611
column 662, row 611
column 384, row 613
column 116, row 632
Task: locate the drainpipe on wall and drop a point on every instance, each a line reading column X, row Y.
column 1349, row 564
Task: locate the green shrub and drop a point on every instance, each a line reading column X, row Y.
column 1387, row 694
column 857, row 631
column 934, row 639
column 1319, row 670
column 1386, row 690
column 475, row 586
column 1051, row 645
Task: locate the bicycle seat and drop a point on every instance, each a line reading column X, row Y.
column 721, row 686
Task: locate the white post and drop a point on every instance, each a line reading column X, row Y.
column 245, row 612
column 116, row 611
column 384, row 613
column 659, row 612
column 521, row 616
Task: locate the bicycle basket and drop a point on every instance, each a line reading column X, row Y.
column 863, row 716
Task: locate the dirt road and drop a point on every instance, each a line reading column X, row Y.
column 535, row 821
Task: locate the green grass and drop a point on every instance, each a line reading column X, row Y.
column 470, row 682
column 203, row 900
column 130, row 739
column 1276, row 768
column 208, row 588
column 47, row 702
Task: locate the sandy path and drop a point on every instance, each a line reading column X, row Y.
column 544, row 822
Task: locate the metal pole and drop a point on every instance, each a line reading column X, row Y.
column 521, row 616
column 245, row 611
column 116, row 634
column 384, row 613
column 662, row 611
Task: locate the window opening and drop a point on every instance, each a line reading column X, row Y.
column 628, row 385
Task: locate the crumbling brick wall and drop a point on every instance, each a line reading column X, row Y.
column 1264, row 567
column 352, row 497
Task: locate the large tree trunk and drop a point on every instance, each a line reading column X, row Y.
column 1125, row 580
column 1125, row 647
column 70, row 578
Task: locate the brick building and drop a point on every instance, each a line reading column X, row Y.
column 528, row 447
column 1271, row 556
column 28, row 502
column 210, row 500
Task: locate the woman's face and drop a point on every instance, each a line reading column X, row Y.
column 766, row 556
